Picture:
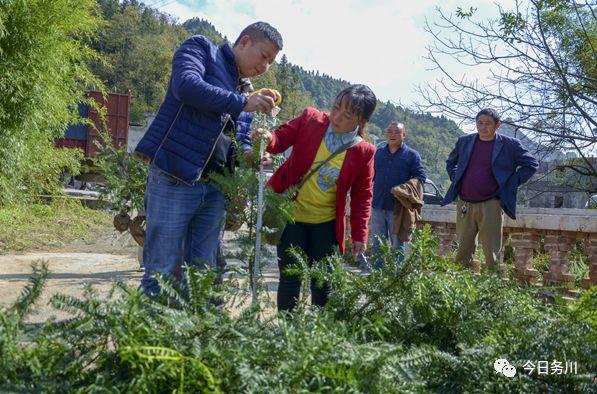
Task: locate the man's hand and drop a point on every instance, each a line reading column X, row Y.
column 273, row 93
column 263, row 101
column 358, row 247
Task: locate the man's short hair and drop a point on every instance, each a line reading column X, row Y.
column 261, row 31
column 399, row 125
column 489, row 112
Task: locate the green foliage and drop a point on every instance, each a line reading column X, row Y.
column 421, row 326
column 574, row 26
column 241, row 191
column 578, row 262
column 125, row 176
column 137, row 44
column 43, row 54
column 465, row 14
column 204, row 28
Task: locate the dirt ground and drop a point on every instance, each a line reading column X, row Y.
column 111, row 257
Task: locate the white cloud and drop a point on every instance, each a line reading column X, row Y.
column 377, row 42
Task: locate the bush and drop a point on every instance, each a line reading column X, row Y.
column 423, row 326
column 44, row 47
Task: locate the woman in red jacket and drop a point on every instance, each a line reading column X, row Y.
column 320, row 208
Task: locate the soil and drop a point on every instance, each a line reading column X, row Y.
column 110, row 257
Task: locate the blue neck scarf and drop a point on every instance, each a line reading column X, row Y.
column 333, row 140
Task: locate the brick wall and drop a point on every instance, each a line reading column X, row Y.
column 559, row 228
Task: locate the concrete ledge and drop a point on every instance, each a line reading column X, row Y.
column 561, row 219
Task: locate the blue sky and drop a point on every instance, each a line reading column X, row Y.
column 377, row 42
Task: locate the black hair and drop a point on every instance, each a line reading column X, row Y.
column 400, row 125
column 489, row 112
column 261, row 31
column 360, row 100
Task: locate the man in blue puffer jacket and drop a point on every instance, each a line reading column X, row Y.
column 187, row 140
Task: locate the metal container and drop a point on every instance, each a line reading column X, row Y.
column 115, row 107
column 115, row 123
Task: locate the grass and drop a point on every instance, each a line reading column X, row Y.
column 42, row 226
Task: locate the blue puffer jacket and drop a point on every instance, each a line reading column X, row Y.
column 200, row 100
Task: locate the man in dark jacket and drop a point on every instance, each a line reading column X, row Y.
column 486, row 170
column 395, row 164
column 187, row 141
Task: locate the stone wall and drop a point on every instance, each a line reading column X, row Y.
column 560, row 229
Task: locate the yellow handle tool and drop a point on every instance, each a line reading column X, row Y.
column 278, row 95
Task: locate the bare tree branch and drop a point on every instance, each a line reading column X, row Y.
column 536, row 74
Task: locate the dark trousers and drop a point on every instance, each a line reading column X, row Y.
column 317, row 241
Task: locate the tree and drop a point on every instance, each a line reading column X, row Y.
column 43, row 75
column 543, row 74
column 137, row 44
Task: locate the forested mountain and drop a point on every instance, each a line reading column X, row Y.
column 137, row 43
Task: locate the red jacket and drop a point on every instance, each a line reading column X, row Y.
column 305, row 134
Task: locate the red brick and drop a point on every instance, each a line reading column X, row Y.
column 531, row 272
column 565, row 247
column 551, row 239
column 560, row 277
column 568, row 277
column 556, row 268
column 587, row 282
column 523, row 252
column 522, row 245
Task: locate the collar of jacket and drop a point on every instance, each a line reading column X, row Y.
column 334, row 140
column 400, row 148
column 230, row 60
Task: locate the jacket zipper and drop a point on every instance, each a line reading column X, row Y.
column 214, row 146
column 210, row 154
column 167, row 133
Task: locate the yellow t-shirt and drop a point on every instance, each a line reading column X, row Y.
column 316, row 202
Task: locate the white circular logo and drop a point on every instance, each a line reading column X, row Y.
column 501, row 365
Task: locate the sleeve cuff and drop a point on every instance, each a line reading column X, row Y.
column 239, row 102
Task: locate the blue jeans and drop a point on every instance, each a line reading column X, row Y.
column 179, row 219
column 380, row 228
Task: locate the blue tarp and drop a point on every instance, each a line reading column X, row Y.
column 78, row 131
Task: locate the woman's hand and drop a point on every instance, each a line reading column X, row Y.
column 358, row 247
column 266, row 161
column 262, row 134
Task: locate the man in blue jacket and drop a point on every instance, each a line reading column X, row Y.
column 187, row 140
column 395, row 164
column 486, row 170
